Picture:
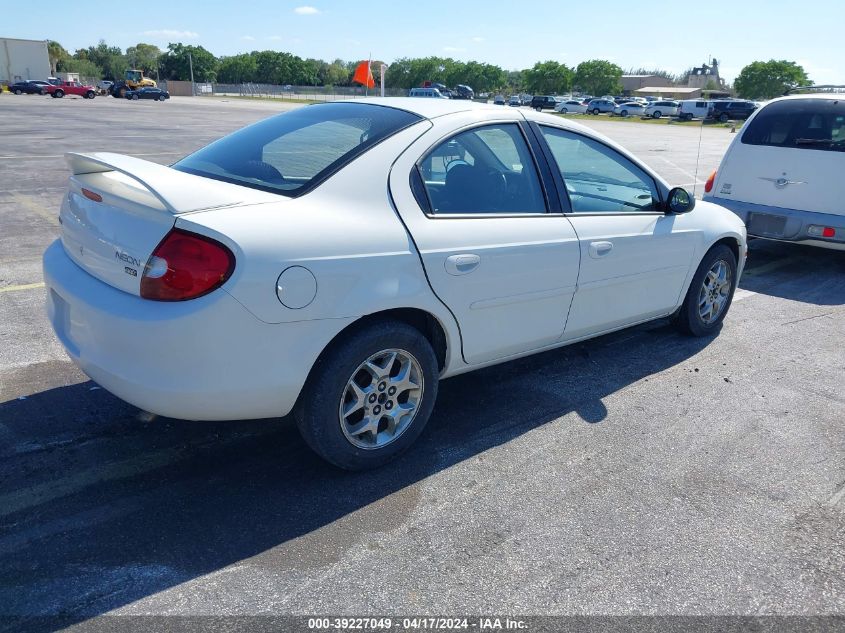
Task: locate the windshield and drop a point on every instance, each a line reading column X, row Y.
column 293, row 152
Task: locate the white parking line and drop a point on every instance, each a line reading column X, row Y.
column 40, row 284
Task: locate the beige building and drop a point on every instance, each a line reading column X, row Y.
column 630, row 83
column 23, row 59
column 703, row 75
column 669, row 92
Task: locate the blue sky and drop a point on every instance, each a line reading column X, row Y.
column 510, row 34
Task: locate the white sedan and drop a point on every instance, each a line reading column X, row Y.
column 571, row 107
column 339, row 260
column 629, row 108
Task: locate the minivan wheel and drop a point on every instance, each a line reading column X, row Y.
column 657, row 114
column 710, row 293
column 369, row 396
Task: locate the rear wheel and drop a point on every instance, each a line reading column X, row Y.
column 723, row 118
column 710, row 293
column 369, row 396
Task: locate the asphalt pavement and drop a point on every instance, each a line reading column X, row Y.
column 641, row 473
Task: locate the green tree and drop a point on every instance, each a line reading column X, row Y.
column 598, row 77
column 56, row 52
column 143, row 57
column 764, row 80
column 109, row 58
column 237, row 69
column 84, row 67
column 175, row 63
column 336, row 74
column 548, row 78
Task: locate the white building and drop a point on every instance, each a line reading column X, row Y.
column 23, row 59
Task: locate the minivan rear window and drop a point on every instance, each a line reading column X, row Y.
column 292, row 153
column 817, row 124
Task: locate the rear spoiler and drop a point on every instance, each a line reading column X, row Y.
column 177, row 191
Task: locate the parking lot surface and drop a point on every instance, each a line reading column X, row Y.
column 639, row 473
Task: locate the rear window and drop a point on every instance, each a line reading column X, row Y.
column 801, row 123
column 294, row 152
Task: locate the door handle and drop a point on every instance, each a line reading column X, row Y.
column 600, row 249
column 462, row 264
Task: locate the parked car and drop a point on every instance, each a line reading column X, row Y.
column 463, row 91
column 443, row 89
column 499, row 100
column 57, row 91
column 693, row 108
column 628, row 109
column 541, row 102
column 515, row 100
column 29, row 87
column 104, row 87
column 657, row 109
column 245, row 281
column 597, row 106
column 782, row 175
column 572, row 106
column 148, row 92
column 731, row 110
column 432, row 93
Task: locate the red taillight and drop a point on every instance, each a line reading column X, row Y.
column 708, row 186
column 828, row 231
column 186, row 266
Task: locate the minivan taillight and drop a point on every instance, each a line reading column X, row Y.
column 186, row 266
column 708, row 186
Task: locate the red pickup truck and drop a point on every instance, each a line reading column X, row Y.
column 71, row 88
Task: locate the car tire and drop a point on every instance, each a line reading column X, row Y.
column 657, row 114
column 624, row 113
column 723, row 118
column 18, row 91
column 596, row 111
column 135, row 97
column 161, row 97
column 712, row 288
column 90, row 94
column 319, row 412
column 563, row 111
column 59, row 94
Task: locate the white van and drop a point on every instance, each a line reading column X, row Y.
column 426, row 92
column 783, row 174
column 690, row 108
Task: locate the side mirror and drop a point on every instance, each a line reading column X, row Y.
column 679, row 201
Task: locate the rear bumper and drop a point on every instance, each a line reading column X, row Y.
column 789, row 225
column 204, row 359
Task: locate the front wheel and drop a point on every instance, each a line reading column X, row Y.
column 18, row 91
column 710, row 293
column 624, row 113
column 596, row 111
column 563, row 110
column 369, row 396
column 161, row 97
column 723, row 118
column 90, row 94
column 135, row 97
column 657, row 114
column 59, row 94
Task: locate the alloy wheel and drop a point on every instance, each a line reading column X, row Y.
column 714, row 292
column 381, row 399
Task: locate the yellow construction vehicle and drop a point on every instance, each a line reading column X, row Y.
column 133, row 79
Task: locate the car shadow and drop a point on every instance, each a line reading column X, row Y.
column 124, row 509
column 791, row 271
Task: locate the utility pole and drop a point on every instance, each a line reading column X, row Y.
column 191, row 64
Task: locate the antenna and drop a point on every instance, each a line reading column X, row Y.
column 697, row 157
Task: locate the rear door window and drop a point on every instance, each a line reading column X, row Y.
column 817, row 124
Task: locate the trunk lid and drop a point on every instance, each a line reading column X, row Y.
column 119, row 208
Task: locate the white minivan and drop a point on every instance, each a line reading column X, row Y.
column 784, row 175
column 693, row 108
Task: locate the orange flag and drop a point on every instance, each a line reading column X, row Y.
column 364, row 76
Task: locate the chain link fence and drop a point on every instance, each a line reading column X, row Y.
column 310, row 93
